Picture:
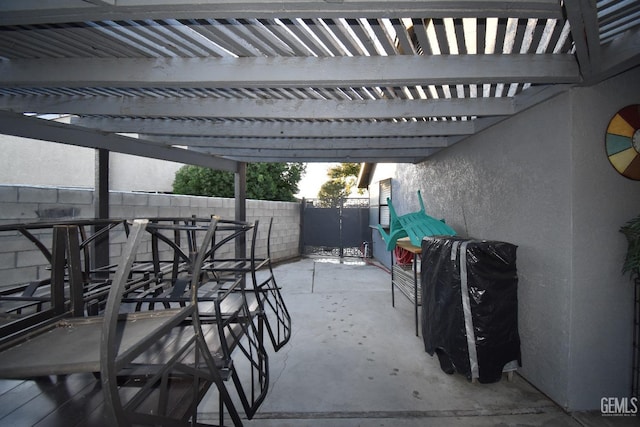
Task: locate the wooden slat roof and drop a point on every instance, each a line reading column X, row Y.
column 216, row 82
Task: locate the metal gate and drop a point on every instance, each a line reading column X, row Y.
column 338, row 231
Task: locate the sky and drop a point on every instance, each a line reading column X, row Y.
column 314, row 177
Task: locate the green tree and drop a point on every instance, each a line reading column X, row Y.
column 342, row 180
column 265, row 181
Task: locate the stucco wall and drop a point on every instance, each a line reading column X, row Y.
column 541, row 180
column 20, row 261
column 511, row 183
column 602, row 201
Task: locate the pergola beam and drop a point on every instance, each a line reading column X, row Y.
column 213, row 128
column 262, row 109
column 329, row 158
column 316, row 144
column 47, row 130
column 289, row 72
column 24, row 12
column 584, row 30
column 621, row 54
column 344, row 155
column 336, row 153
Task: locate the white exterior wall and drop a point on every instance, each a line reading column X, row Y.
column 133, row 173
column 542, row 181
column 31, row 162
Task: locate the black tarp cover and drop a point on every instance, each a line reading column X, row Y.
column 470, row 306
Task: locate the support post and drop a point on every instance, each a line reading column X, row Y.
column 303, row 206
column 241, row 206
column 101, row 206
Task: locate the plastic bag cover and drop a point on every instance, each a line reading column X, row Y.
column 475, row 332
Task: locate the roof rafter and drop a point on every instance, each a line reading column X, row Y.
column 272, row 72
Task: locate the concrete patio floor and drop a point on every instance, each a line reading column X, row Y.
column 354, row 360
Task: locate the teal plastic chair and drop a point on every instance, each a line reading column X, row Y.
column 396, row 231
column 415, row 225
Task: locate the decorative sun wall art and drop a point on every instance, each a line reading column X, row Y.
column 623, row 141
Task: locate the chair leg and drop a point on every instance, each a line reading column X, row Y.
column 277, row 317
column 252, row 387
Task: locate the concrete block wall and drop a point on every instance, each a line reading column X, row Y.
column 21, row 261
column 285, row 234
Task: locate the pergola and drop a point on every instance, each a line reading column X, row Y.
column 222, row 83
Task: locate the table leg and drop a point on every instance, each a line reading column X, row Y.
column 415, row 290
column 393, row 298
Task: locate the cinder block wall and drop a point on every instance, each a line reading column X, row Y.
column 21, row 261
